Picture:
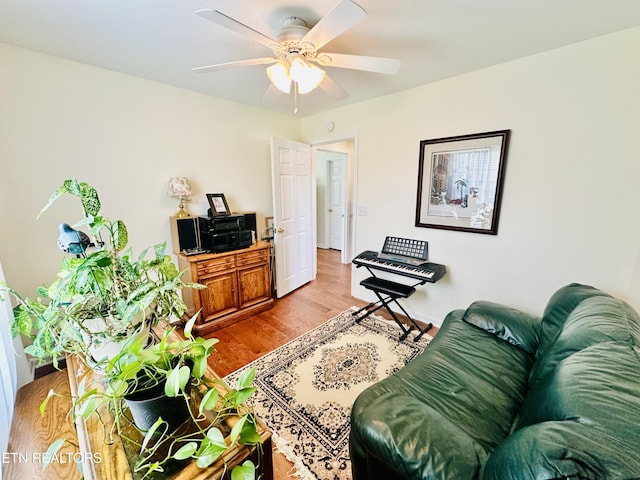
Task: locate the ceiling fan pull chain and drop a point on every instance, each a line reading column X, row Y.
column 295, row 97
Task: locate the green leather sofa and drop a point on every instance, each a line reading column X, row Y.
column 500, row 394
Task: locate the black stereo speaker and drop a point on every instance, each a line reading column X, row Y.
column 250, row 221
column 184, row 234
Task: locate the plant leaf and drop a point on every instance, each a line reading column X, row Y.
column 210, row 453
column 89, row 199
column 151, row 432
column 87, row 407
column 186, row 451
column 246, row 471
column 249, row 434
column 237, row 428
column 215, row 436
column 54, row 196
column 120, row 235
column 160, row 249
column 176, row 380
column 209, row 400
column 246, row 379
column 199, row 366
column 189, row 325
column 43, row 405
column 51, row 451
column 212, row 446
column 241, row 396
column 117, row 388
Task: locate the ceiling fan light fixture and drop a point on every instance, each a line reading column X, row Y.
column 306, row 75
column 278, row 73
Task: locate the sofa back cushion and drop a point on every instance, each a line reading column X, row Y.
column 560, row 308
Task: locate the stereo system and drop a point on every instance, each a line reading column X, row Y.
column 215, row 234
column 221, row 233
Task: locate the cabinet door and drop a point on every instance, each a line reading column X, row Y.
column 220, row 297
column 255, row 285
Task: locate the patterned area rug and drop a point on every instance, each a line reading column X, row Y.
column 306, row 388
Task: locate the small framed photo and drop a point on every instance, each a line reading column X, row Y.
column 460, row 182
column 218, row 204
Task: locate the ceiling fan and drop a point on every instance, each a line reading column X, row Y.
column 296, row 51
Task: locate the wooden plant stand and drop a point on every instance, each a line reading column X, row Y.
column 112, row 460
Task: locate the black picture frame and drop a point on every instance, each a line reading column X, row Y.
column 218, row 204
column 460, row 181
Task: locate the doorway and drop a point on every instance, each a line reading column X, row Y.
column 331, row 187
column 335, row 187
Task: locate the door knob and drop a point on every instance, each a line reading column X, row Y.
column 279, row 230
column 331, row 209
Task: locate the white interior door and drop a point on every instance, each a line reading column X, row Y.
column 294, row 239
column 336, row 201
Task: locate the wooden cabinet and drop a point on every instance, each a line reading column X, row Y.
column 238, row 285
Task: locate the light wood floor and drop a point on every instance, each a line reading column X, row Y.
column 291, row 316
column 294, row 314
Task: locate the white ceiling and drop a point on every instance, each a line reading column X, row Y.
column 162, row 40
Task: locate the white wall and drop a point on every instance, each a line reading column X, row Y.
column 569, row 210
column 572, row 177
column 126, row 136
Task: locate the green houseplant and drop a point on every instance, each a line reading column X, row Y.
column 178, row 366
column 103, row 294
column 128, row 295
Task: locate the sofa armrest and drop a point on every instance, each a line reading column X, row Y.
column 511, row 325
column 410, row 437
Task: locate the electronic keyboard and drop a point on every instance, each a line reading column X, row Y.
column 426, row 271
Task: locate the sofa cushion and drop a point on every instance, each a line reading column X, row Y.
column 509, row 324
column 553, row 450
column 597, row 319
column 558, row 309
column 597, row 386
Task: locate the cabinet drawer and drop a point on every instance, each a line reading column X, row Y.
column 216, row 265
column 251, row 258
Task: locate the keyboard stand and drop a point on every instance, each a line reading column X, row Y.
column 388, row 291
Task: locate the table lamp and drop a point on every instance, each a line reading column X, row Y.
column 179, row 187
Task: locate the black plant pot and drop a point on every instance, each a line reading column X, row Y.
column 148, row 405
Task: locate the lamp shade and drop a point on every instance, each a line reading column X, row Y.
column 295, row 68
column 306, row 75
column 279, row 76
column 179, row 187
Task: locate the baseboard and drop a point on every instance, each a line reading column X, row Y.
column 48, row 368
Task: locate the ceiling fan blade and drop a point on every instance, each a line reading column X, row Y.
column 240, row 63
column 343, row 16
column 359, row 62
column 228, row 22
column 332, row 89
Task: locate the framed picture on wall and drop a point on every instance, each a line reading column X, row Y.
column 460, row 182
column 218, row 204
